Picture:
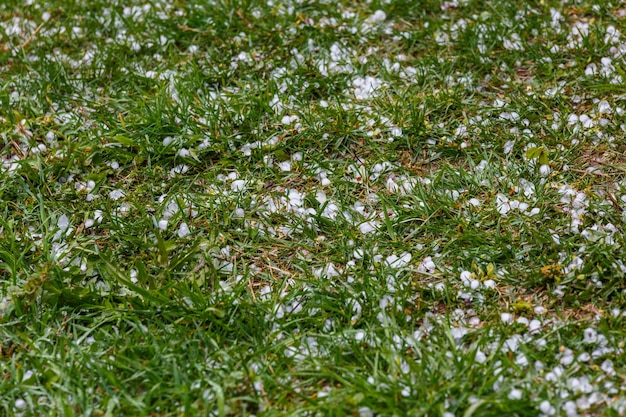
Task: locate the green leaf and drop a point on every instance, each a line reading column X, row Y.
column 124, row 140
column 533, row 153
column 540, row 153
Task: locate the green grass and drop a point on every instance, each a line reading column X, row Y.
column 390, row 208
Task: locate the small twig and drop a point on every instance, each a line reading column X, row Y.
column 188, row 29
column 198, row 267
column 32, row 36
column 251, row 290
column 614, row 201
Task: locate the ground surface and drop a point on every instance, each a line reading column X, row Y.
column 312, row 208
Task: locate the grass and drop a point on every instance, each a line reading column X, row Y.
column 312, row 208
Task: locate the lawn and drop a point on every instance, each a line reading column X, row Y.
column 312, row 208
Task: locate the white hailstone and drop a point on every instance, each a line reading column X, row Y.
column 20, row 404
column 279, row 312
column 238, row 185
column 357, row 309
column 521, row 360
column 508, row 147
column 91, row 184
column 586, row 121
column 481, row 166
column 489, row 284
column 39, row 149
column 392, row 186
column 534, row 211
column 368, row 227
column 474, row 202
column 239, row 213
column 365, row 88
column 544, row 170
column 466, row 278
column 570, row 409
column 162, row 224
column 89, row 223
column 170, row 210
column 122, row 209
column 534, row 326
column 590, row 335
column 183, row 152
column 396, row 131
column 399, row 262
column 183, row 230
column 115, row 165
column 584, row 357
column 604, row 107
column 591, row 69
column 539, row 310
column 328, row 325
column 359, row 335
column 572, row 119
column 502, row 204
column 365, row 411
column 427, row 265
column 265, row 293
column 497, row 103
column 512, row 116
column 474, row 284
column 528, row 187
column 555, row 374
column 116, row 194
column 607, row 367
column 378, row 17
column 515, row 394
column 458, row 333
column 178, row 169
column 287, row 120
column 133, row 276
column 506, row 318
column 63, row 223
column 551, row 92
column 480, row 357
column 567, row 357
column 546, row 408
column 167, row 141
column 583, row 403
column 285, row 166
column 514, row 43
